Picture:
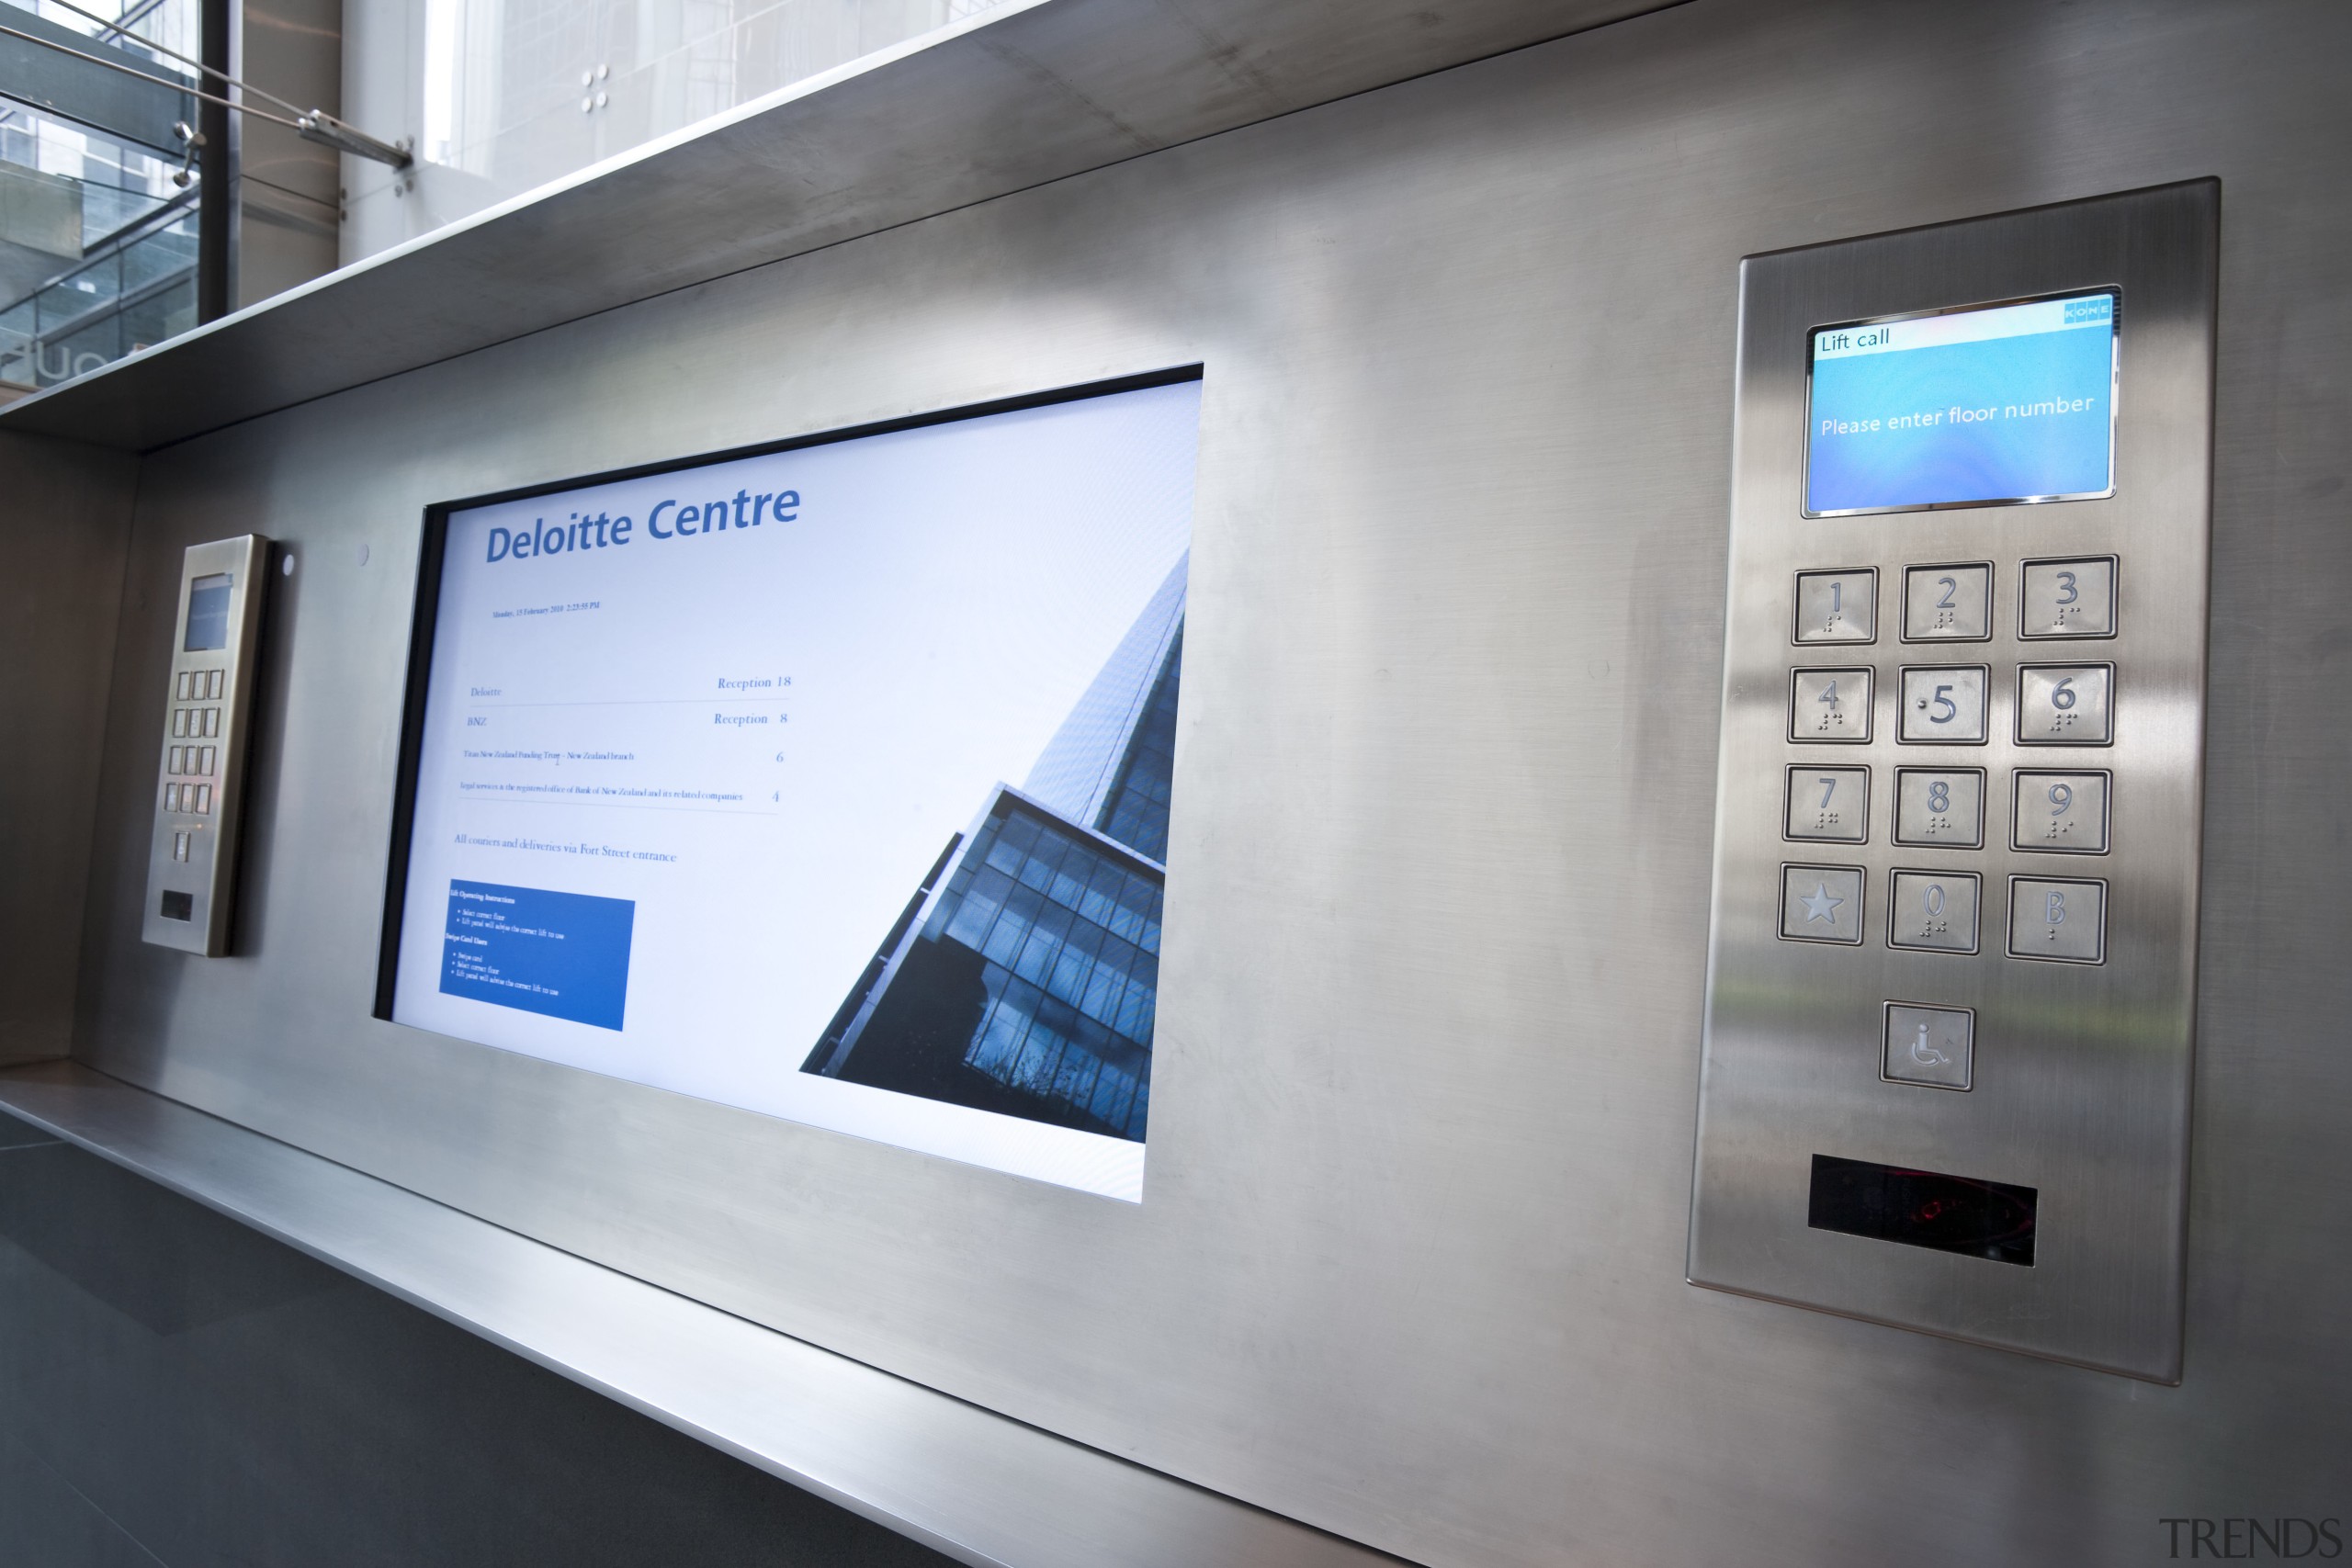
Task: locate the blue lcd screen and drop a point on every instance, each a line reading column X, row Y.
column 1964, row 407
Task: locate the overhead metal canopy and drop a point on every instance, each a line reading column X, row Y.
column 1033, row 91
column 76, row 77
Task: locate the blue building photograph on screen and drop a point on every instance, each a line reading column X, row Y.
column 1979, row 407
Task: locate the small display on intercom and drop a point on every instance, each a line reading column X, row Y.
column 1983, row 405
column 208, row 613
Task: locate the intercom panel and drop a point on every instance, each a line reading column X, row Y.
column 201, row 767
column 1951, row 977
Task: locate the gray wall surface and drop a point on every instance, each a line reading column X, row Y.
column 1409, row 1263
column 64, row 533
column 176, row 1389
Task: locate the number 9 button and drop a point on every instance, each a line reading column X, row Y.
column 2060, row 813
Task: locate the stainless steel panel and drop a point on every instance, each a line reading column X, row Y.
column 984, row 1490
column 2082, row 1066
column 64, row 534
column 1409, row 1262
column 200, row 761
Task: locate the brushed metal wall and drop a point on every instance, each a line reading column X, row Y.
column 1409, row 1263
column 64, row 533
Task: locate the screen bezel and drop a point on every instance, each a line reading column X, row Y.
column 2114, row 404
column 433, row 547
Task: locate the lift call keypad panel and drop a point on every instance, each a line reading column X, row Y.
column 192, row 854
column 1953, row 944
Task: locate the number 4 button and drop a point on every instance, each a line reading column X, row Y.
column 1831, row 704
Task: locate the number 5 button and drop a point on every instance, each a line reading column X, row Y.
column 2065, row 705
column 1943, row 705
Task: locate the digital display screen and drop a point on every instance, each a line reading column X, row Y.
column 1986, row 406
column 207, row 614
column 833, row 782
column 1924, row 1208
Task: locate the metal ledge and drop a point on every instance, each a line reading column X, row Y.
column 1036, row 90
column 983, row 1489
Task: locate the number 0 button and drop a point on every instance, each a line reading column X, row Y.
column 1831, row 704
column 1943, row 705
column 1933, row 909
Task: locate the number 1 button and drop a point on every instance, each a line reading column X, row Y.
column 1831, row 704
column 1837, row 607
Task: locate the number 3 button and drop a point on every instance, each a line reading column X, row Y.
column 1943, row 705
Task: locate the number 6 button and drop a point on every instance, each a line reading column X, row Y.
column 2065, row 705
column 1943, row 705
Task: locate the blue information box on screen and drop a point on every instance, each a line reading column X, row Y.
column 1986, row 406
column 560, row 954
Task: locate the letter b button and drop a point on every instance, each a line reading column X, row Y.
column 2063, row 922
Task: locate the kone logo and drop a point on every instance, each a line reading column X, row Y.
column 2095, row 309
column 2248, row 1538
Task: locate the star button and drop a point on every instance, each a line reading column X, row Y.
column 1820, row 904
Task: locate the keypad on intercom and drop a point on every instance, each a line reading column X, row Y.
column 1940, row 904
column 192, row 773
